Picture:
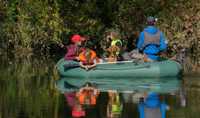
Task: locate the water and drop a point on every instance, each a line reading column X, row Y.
column 27, row 90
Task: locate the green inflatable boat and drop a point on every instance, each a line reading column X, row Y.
column 123, row 69
column 158, row 85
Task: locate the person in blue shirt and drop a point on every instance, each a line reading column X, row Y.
column 151, row 40
column 152, row 107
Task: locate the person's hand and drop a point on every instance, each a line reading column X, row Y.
column 173, row 58
column 145, row 58
column 96, row 92
column 163, row 54
column 77, row 58
column 86, row 68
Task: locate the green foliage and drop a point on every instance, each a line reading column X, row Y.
column 38, row 24
column 27, row 88
column 2, row 19
column 181, row 26
column 32, row 23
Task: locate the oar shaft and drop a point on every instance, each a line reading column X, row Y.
column 117, row 62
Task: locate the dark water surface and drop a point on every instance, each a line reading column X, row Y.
column 27, row 90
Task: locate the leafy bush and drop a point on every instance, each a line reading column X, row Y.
column 39, row 24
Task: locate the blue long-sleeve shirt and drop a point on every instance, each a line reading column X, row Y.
column 152, row 101
column 152, row 49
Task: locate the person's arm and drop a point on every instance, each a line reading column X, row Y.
column 140, row 41
column 96, row 92
column 80, row 91
column 141, row 110
column 93, row 57
column 119, row 44
column 163, row 42
column 83, row 66
column 70, row 55
column 92, row 66
column 163, row 108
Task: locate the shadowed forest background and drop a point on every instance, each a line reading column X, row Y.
column 39, row 27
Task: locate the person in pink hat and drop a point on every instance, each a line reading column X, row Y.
column 77, row 110
column 74, row 48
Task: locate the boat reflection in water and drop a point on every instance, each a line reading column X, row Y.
column 113, row 95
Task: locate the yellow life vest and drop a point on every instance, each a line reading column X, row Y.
column 115, row 41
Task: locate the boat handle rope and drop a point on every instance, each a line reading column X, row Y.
column 139, row 67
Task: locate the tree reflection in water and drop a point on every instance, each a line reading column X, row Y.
column 27, row 88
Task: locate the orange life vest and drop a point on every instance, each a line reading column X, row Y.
column 87, row 95
column 78, row 112
column 87, row 59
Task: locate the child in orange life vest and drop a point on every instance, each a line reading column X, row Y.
column 88, row 58
column 88, row 95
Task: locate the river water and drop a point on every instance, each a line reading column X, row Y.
column 28, row 90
